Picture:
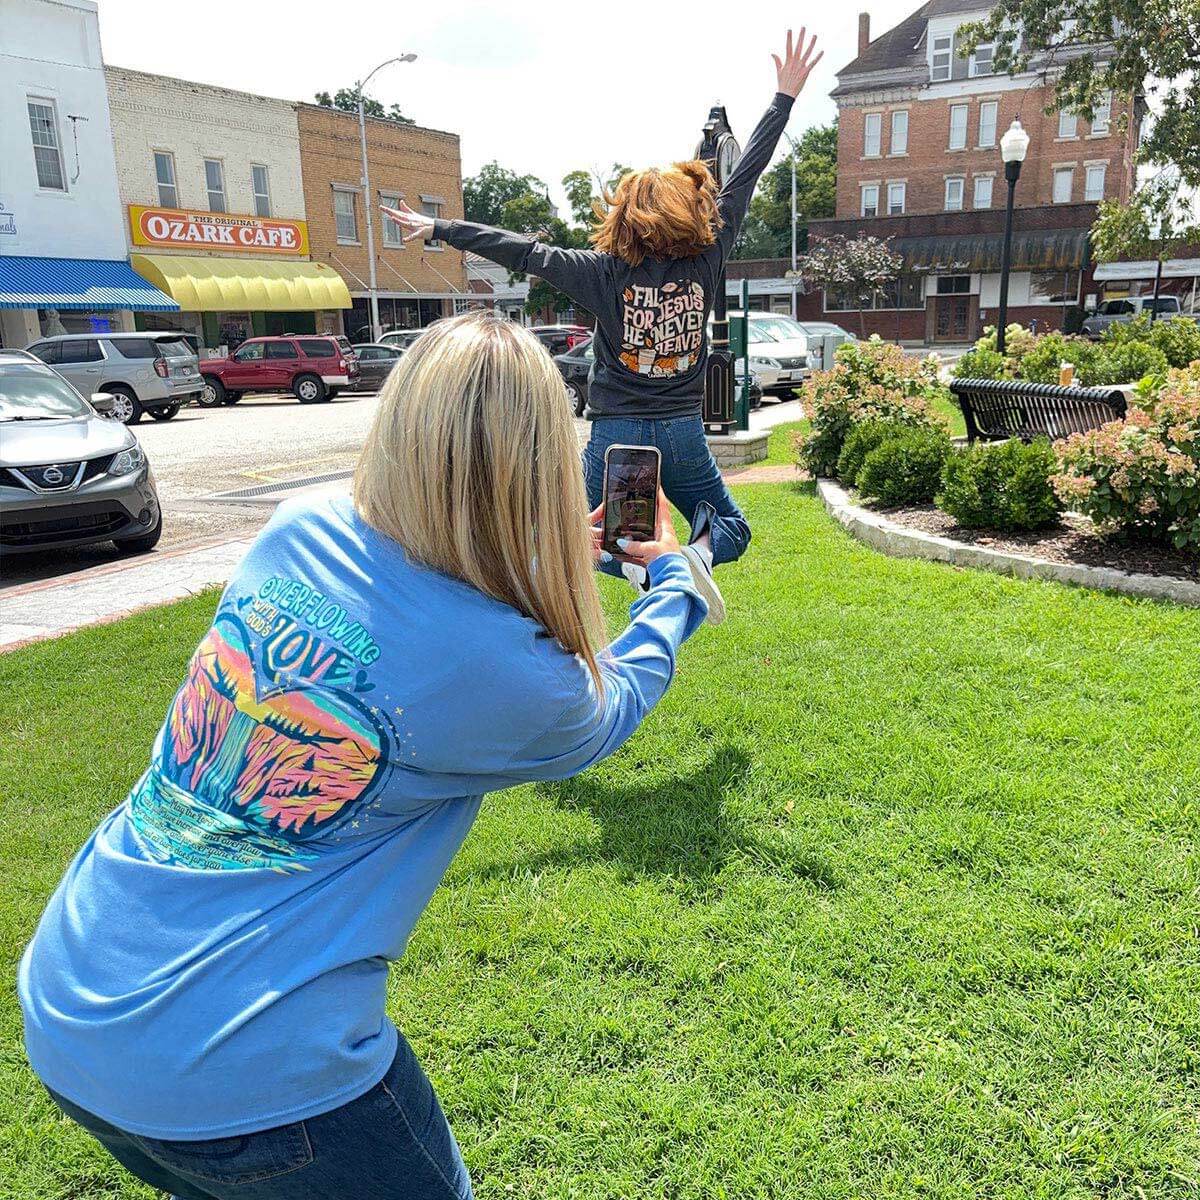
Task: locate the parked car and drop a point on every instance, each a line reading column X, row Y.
column 313, row 367
column 156, row 373
column 375, row 363
column 400, row 338
column 558, row 339
column 576, row 368
column 69, row 475
column 778, row 351
column 1121, row 312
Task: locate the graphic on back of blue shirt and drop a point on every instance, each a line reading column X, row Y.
column 662, row 328
column 269, row 745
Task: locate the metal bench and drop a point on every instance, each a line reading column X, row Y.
column 998, row 409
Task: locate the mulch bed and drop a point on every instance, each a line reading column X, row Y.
column 1073, row 540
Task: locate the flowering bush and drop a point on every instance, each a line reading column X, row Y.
column 1141, row 476
column 870, row 380
column 1004, row 486
column 981, row 362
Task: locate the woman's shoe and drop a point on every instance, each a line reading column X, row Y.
column 702, row 576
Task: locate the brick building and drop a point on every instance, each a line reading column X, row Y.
column 417, row 282
column 919, row 127
column 213, row 208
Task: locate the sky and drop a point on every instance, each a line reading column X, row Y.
column 542, row 89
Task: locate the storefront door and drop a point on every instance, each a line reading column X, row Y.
column 951, row 318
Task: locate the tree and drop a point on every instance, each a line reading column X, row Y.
column 859, row 268
column 767, row 231
column 346, row 99
column 486, row 194
column 1138, row 46
column 1156, row 222
column 585, row 191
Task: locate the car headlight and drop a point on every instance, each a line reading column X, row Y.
column 128, row 461
column 767, row 364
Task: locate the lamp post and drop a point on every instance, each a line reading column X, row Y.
column 792, row 144
column 1013, row 148
column 368, row 214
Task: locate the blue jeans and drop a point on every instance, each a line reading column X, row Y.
column 689, row 477
column 393, row 1143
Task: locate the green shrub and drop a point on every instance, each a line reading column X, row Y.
column 1178, row 338
column 981, row 363
column 1005, row 486
column 905, row 468
column 871, row 380
column 1120, row 332
column 1043, row 361
column 860, row 441
column 1124, row 362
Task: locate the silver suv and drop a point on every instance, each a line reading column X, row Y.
column 156, row 373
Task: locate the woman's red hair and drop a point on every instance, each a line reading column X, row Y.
column 667, row 213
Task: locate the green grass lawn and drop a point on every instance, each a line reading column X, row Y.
column 894, row 896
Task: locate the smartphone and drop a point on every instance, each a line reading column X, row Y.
column 630, row 495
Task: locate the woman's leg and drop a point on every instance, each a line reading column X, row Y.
column 694, row 485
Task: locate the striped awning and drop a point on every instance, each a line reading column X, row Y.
column 1041, row 250
column 77, row 283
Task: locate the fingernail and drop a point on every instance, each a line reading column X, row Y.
column 624, row 543
column 605, row 557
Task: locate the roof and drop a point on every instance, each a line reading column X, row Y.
column 1036, row 250
column 896, row 48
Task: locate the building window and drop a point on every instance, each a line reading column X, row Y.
column 872, row 125
column 1064, row 181
column 981, row 60
column 345, row 215
column 903, row 292
column 953, row 285
column 393, row 235
column 1102, row 116
column 900, row 131
column 214, row 181
column 987, row 123
column 164, row 175
column 261, row 183
column 983, row 191
column 1053, row 287
column 895, row 198
column 432, row 207
column 870, row 199
column 47, row 154
column 1093, row 181
column 958, row 126
column 954, row 194
column 941, row 53
column 1068, row 124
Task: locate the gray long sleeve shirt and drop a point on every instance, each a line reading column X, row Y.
column 651, row 339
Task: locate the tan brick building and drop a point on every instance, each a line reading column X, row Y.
column 416, row 283
column 919, row 127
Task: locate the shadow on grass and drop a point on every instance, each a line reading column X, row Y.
column 679, row 826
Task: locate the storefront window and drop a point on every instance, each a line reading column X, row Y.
column 902, row 292
column 1053, row 287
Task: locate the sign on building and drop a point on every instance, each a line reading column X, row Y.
column 184, row 229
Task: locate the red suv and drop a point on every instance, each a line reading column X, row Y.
column 312, row 367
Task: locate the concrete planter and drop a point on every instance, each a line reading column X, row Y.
column 738, row 449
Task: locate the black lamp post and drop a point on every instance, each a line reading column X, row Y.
column 1013, row 147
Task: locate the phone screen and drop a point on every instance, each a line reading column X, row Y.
column 630, row 495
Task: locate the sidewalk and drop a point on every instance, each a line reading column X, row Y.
column 49, row 608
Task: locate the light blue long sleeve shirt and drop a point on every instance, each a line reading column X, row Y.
column 215, row 959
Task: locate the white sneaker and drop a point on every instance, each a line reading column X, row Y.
column 636, row 577
column 706, row 585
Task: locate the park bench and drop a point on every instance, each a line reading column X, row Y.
column 997, row 409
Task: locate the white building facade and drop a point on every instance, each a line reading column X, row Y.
column 212, row 203
column 63, row 258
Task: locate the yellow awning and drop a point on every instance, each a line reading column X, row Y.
column 243, row 284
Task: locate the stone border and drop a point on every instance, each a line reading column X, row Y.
column 876, row 530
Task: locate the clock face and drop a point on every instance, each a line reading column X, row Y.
column 728, row 152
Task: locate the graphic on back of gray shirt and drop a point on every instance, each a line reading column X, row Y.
column 662, row 328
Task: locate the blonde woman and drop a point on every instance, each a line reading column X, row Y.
column 205, row 992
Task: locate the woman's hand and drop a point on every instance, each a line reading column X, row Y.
column 665, row 541
column 796, row 65
column 412, row 224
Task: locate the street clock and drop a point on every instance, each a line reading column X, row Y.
column 719, row 148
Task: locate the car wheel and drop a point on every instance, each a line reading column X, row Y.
column 142, row 543
column 231, row 398
column 309, row 389
column 213, row 392
column 126, row 407
column 163, row 412
column 578, row 398
column 332, row 393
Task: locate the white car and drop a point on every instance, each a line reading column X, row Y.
column 780, row 348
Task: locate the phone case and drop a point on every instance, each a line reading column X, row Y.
column 606, row 543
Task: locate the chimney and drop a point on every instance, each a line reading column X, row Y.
column 864, row 32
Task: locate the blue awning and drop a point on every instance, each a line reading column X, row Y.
column 77, row 283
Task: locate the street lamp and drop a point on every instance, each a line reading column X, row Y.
column 795, row 150
column 1013, row 147
column 368, row 208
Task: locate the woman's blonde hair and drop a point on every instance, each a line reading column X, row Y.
column 660, row 213
column 472, row 465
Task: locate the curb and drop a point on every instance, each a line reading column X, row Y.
column 877, row 531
